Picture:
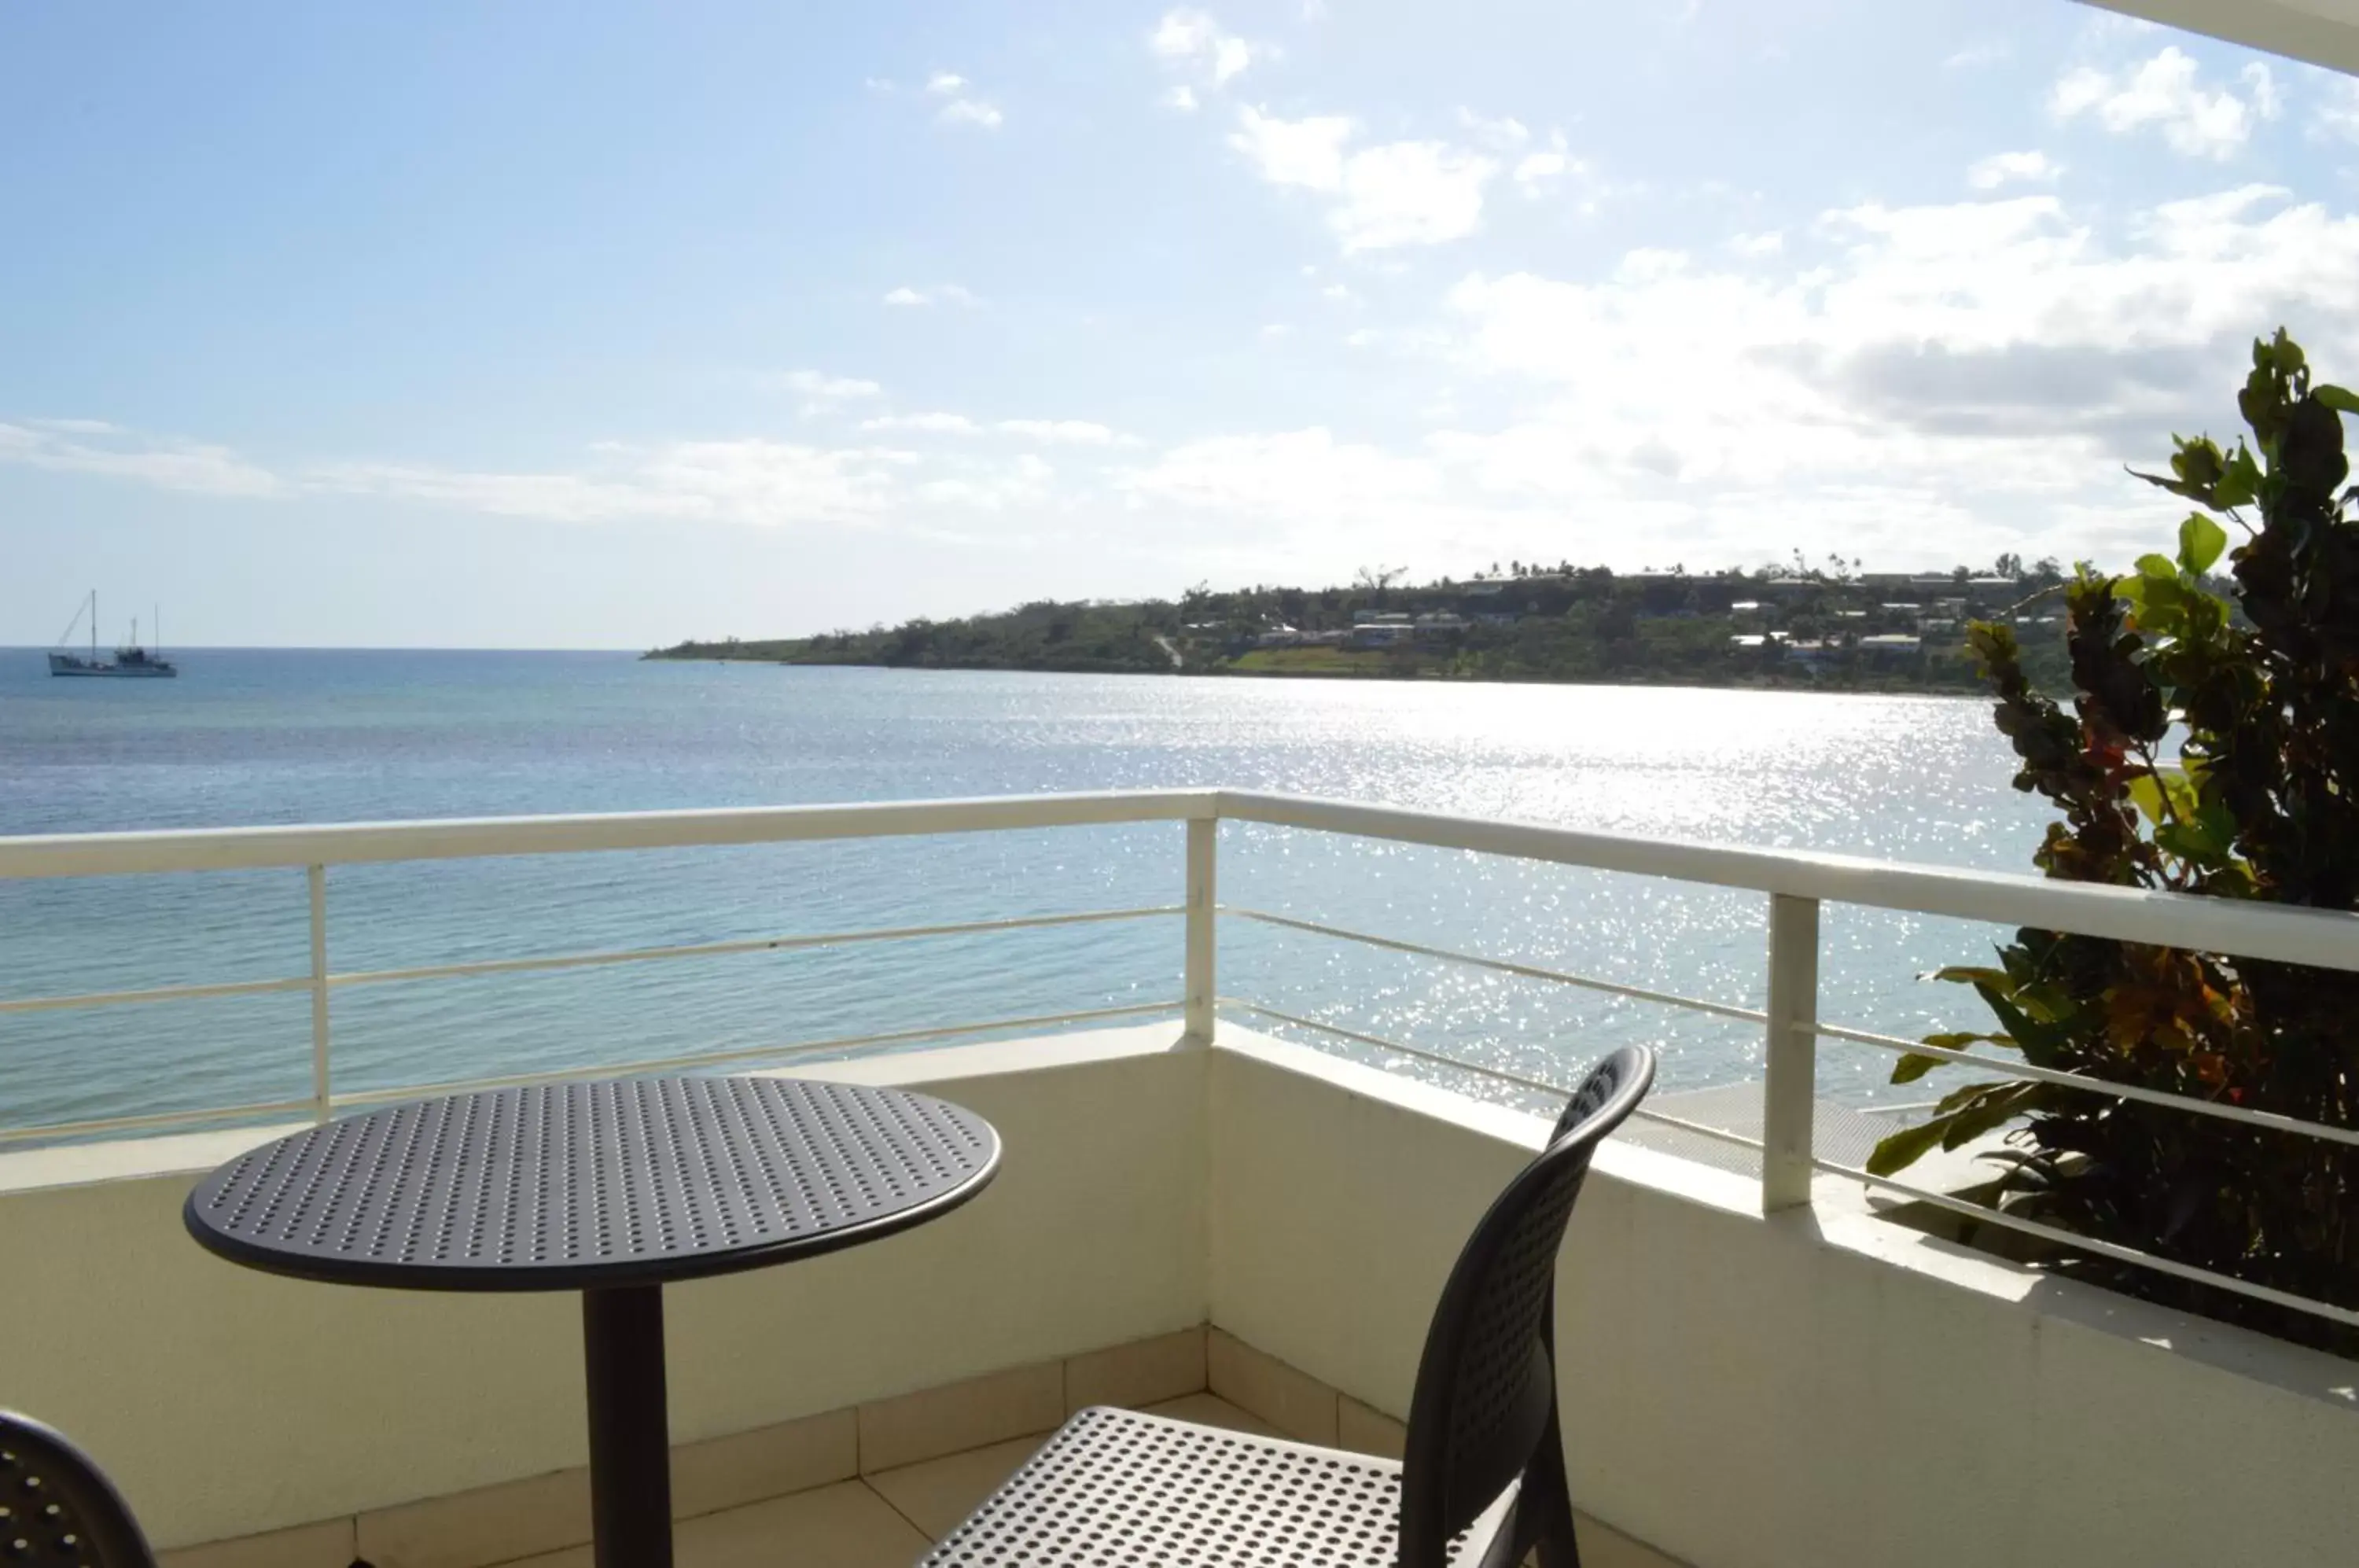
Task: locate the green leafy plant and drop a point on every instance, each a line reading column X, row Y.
column 2258, row 681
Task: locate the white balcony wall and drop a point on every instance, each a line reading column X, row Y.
column 1819, row 1388
column 227, row 1402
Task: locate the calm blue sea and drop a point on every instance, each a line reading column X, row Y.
column 281, row 736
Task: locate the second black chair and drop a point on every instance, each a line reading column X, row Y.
column 1481, row 1480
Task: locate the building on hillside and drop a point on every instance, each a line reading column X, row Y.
column 1891, row 647
column 1439, row 627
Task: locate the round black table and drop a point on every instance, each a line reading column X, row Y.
column 606, row 1188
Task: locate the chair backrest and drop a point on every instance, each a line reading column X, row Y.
column 57, row 1508
column 1486, row 1398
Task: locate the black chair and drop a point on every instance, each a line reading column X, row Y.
column 1482, row 1481
column 57, row 1508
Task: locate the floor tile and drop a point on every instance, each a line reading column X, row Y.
column 1296, row 1403
column 1139, row 1373
column 1603, row 1546
column 1211, row 1409
column 770, row 1461
column 937, row 1495
column 328, row 1544
column 959, row 1416
column 1367, row 1431
column 842, row 1526
column 490, row 1524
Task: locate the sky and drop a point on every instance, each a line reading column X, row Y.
column 608, row 325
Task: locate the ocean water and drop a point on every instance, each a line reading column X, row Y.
column 278, row 736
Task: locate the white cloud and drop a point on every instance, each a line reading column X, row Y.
column 820, row 392
column 1503, row 135
column 1932, row 384
column 971, row 111
column 755, row 483
column 98, row 448
column 1929, row 384
column 1309, row 152
column 1535, row 169
column 2268, row 97
column 2163, row 93
column 1183, row 98
column 1987, row 53
column 1536, row 173
column 929, row 424
column 2335, row 112
column 1769, row 243
column 1069, row 432
column 1291, row 478
column 1398, row 193
column 1410, row 193
column 991, row 486
column 938, row 294
column 2033, row 168
column 1193, row 40
column 962, row 108
column 1963, row 376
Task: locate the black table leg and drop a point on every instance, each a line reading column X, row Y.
column 630, row 1442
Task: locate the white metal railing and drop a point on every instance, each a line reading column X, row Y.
column 1797, row 883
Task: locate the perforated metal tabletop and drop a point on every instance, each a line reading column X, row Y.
column 608, row 1188
column 569, row 1186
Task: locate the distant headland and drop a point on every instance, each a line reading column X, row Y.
column 1798, row 625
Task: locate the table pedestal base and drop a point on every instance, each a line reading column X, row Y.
column 630, row 1441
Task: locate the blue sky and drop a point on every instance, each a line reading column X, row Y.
column 605, row 325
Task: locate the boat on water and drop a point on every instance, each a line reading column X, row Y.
column 131, row 661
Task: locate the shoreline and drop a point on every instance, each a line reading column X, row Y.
column 1833, row 686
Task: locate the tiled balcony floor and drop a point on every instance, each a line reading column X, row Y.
column 882, row 1520
column 887, row 1519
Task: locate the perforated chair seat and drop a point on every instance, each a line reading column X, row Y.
column 1115, row 1487
column 1483, row 1482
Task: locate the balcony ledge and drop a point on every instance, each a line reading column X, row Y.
column 1856, row 1392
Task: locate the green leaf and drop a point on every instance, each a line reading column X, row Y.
column 2339, row 399
column 1903, row 1149
column 1910, row 1068
column 2241, row 483
column 2201, row 540
column 2002, row 1105
column 2163, row 798
column 2160, row 566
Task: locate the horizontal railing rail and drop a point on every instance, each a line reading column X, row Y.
column 470, row 838
column 337, row 980
column 2328, row 939
column 1797, row 883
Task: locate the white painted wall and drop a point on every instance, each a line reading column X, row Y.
column 227, row 1402
column 1821, row 1388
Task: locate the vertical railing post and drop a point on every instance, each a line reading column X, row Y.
column 1203, row 842
column 1790, row 1094
column 323, row 1104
